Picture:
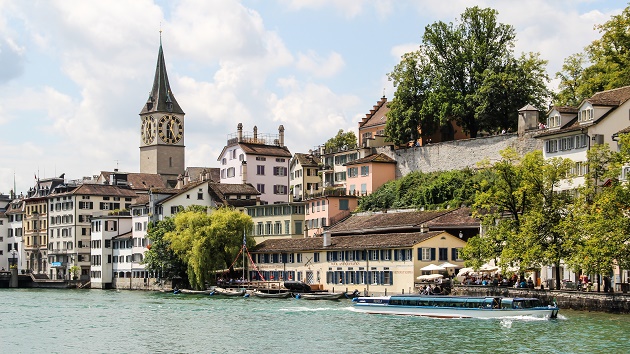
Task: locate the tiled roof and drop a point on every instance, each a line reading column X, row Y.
column 574, row 127
column 374, row 222
column 103, row 190
column 183, row 190
column 307, row 160
column 142, row 199
column 374, row 158
column 139, row 181
column 373, row 241
column 460, row 217
column 623, row 131
column 614, row 97
column 565, row 109
column 221, row 192
column 195, row 173
column 377, row 115
column 265, row 150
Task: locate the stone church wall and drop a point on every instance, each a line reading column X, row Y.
column 457, row 155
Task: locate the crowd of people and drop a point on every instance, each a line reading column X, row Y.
column 499, row 280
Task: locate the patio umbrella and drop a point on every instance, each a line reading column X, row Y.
column 430, row 277
column 465, row 271
column 448, row 265
column 487, row 268
column 432, row 267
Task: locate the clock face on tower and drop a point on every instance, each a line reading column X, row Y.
column 170, row 129
column 148, row 130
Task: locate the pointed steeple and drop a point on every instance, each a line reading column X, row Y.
column 161, row 99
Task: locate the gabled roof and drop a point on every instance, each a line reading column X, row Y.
column 564, row 109
column 614, row 97
column 183, row 190
column 373, row 241
column 221, row 193
column 143, row 199
column 102, row 190
column 137, row 181
column 195, row 173
column 123, row 236
column 377, row 222
column 374, row 158
column 625, row 130
column 161, row 96
column 259, row 149
column 460, row 217
column 307, row 160
column 377, row 115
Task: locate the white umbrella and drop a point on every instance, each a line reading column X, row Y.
column 487, row 268
column 432, row 267
column 430, row 277
column 448, row 265
column 465, row 271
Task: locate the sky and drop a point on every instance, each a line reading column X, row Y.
column 74, row 75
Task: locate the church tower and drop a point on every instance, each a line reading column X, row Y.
column 162, row 149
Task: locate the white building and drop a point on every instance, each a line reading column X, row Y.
column 259, row 159
column 105, row 229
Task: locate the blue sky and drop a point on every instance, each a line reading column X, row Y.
column 75, row 74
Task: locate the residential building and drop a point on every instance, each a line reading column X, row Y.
column 304, row 176
column 365, row 175
column 15, row 232
column 277, row 221
column 106, row 230
column 139, row 182
column 327, row 209
column 259, row 159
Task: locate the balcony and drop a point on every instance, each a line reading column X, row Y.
column 59, row 251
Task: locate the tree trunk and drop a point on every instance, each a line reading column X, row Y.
column 557, row 275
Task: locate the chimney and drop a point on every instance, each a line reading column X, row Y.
column 239, row 129
column 244, row 171
column 327, row 240
column 255, row 134
column 281, row 134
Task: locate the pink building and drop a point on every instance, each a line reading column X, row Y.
column 327, row 210
column 365, row 175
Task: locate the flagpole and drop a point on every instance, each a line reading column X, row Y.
column 244, row 249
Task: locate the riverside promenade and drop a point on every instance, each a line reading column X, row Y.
column 566, row 299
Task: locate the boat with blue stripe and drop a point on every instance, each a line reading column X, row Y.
column 455, row 306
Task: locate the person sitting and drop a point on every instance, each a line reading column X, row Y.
column 530, row 283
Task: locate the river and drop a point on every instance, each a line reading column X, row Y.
column 109, row 321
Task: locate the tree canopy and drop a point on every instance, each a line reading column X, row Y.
column 199, row 242
column 467, row 73
column 603, row 65
column 348, row 139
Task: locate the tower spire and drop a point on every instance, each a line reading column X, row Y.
column 161, row 98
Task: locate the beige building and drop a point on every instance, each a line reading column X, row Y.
column 304, row 178
column 277, row 221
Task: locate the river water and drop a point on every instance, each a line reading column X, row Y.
column 109, row 321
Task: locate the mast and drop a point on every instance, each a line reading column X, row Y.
column 244, row 250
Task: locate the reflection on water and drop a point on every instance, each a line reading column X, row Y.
column 81, row 321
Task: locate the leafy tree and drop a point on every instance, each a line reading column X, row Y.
column 522, row 212
column 465, row 72
column 609, row 59
column 160, row 258
column 340, row 140
column 208, row 242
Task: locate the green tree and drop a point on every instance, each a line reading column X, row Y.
column 522, row 212
column 609, row 59
column 208, row 242
column 347, row 139
column 570, row 81
column 160, row 258
column 466, row 72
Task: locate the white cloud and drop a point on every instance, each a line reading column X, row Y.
column 318, row 66
column 399, row 50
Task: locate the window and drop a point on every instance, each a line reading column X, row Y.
column 426, row 254
column 343, row 204
column 224, row 161
column 363, row 188
column 231, row 172
column 340, row 176
column 199, row 196
column 261, row 158
column 280, row 159
column 279, row 171
column 455, row 254
column 365, row 170
column 443, row 254
column 279, row 189
column 298, row 227
column 260, row 170
column 261, row 188
column 241, row 157
column 353, row 172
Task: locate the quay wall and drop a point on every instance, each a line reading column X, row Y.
column 574, row 300
column 459, row 154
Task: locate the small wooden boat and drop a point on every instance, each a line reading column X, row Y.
column 322, row 296
column 278, row 295
column 195, row 292
column 227, row 292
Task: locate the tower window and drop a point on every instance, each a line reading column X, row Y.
column 170, row 162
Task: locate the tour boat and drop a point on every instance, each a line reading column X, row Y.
column 454, row 306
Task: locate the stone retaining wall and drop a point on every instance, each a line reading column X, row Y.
column 574, row 300
column 459, row 154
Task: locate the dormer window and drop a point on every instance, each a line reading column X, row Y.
column 585, row 115
column 553, row 121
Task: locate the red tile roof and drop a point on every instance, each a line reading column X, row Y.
column 374, row 158
column 376, row 222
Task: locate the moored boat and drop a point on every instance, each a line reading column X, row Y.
column 269, row 295
column 321, row 296
column 455, row 306
column 195, row 292
column 227, row 292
